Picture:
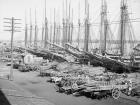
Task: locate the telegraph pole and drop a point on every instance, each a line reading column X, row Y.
column 13, row 28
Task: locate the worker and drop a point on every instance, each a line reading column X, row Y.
column 47, row 61
column 132, row 59
column 129, row 87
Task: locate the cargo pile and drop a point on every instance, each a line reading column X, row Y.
column 78, row 79
column 27, row 68
column 81, row 79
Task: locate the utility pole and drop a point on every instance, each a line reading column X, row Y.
column 13, row 28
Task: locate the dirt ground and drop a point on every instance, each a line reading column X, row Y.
column 32, row 82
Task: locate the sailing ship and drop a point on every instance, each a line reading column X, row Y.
column 119, row 59
column 124, row 59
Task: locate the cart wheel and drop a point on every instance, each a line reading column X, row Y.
column 115, row 93
column 74, row 86
column 67, row 83
column 57, row 88
column 92, row 94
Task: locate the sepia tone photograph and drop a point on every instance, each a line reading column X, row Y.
column 69, row 52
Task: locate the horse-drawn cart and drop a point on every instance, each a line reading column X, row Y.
column 105, row 88
column 97, row 88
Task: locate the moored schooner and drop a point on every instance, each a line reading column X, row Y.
column 58, row 40
column 124, row 57
column 126, row 38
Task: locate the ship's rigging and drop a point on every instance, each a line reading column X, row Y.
column 55, row 36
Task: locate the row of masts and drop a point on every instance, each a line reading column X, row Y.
column 67, row 27
column 67, row 24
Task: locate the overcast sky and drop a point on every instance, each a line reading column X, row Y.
column 17, row 8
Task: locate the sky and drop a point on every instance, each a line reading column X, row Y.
column 18, row 9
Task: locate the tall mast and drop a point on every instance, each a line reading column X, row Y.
column 35, row 39
column 43, row 30
column 64, row 32
column 30, row 29
column 51, row 33
column 26, row 36
column 86, row 26
column 59, row 30
column 123, row 25
column 69, row 25
column 42, row 33
column 46, row 28
column 54, row 34
column 59, row 34
column 104, row 27
column 101, row 31
column 66, row 25
column 79, row 24
column 71, row 28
